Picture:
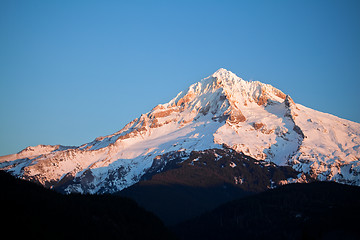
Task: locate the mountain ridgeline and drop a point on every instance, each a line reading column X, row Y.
column 206, row 180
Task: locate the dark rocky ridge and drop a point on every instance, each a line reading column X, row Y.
column 204, row 181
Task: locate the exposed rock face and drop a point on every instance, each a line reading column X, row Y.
column 258, row 125
column 289, row 102
column 253, row 118
column 236, row 117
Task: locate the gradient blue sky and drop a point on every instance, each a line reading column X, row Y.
column 71, row 71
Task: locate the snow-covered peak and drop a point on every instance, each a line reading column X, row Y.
column 223, row 85
column 222, row 73
column 251, row 117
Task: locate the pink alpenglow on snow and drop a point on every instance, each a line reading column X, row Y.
column 220, row 110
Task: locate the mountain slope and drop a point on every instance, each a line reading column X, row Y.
column 28, row 210
column 204, row 181
column 221, row 110
column 319, row 210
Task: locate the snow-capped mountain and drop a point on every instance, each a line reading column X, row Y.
column 221, row 110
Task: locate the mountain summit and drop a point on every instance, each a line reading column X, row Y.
column 220, row 111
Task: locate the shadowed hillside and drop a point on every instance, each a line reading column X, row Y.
column 319, row 210
column 204, row 181
column 31, row 211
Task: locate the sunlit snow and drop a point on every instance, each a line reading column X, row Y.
column 221, row 110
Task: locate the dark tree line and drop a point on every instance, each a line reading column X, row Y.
column 31, row 211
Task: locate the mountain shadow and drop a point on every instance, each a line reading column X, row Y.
column 31, row 211
column 319, row 210
column 204, row 181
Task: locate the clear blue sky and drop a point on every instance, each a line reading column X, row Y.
column 71, row 71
